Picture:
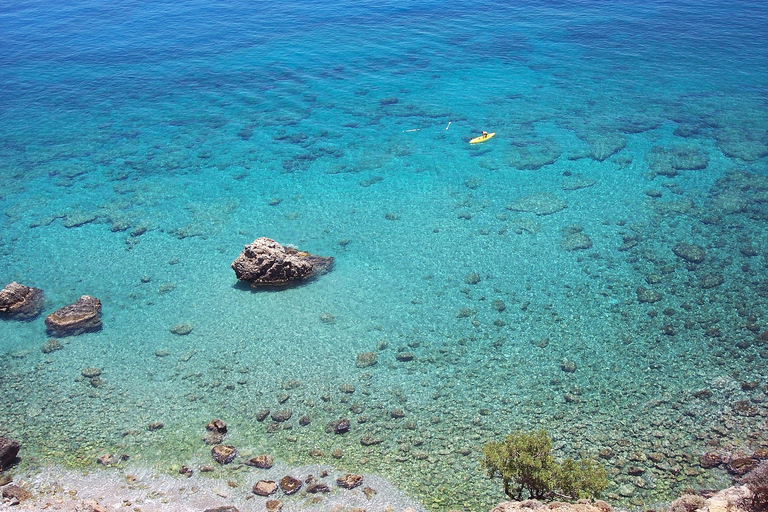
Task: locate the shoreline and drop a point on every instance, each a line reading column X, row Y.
column 142, row 489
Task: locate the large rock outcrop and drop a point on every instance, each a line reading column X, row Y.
column 265, row 262
column 82, row 316
column 9, row 449
column 738, row 498
column 20, row 302
column 556, row 506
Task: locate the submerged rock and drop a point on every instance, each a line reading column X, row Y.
column 9, row 449
column 224, row 454
column 689, row 252
column 366, row 359
column 265, row 262
column 539, row 204
column 261, row 461
column 20, row 302
column 52, row 345
column 290, row 485
column 217, row 426
column 82, row 316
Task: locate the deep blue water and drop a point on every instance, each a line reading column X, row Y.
column 142, row 145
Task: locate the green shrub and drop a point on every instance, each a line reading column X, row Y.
column 527, row 468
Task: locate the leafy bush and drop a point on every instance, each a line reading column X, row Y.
column 527, row 468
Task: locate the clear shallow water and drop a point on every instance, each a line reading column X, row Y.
column 167, row 137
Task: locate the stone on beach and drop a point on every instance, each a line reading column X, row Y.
column 80, row 317
column 350, row 481
column 265, row 262
column 265, row 488
column 20, row 302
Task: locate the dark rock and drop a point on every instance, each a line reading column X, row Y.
column 369, row 492
column 350, row 481
column 606, row 453
column 575, row 242
column 261, row 461
column 224, row 454
column 710, row 460
column 745, row 408
column 635, row 471
column 369, row 440
column 9, row 449
column 404, row 356
column 397, row 414
column 20, row 302
column 186, row 471
column 317, row 487
column 741, row 465
column 82, row 316
column 155, row 425
column 568, row 366
column 304, row 421
column 274, row 505
column 338, row 427
column 217, row 426
column 52, row 345
column 226, row 508
column 262, row 415
column 689, row 252
column 280, row 416
column 106, row 460
column 647, row 295
column 14, row 491
column 265, row 262
column 264, row 487
column 290, row 485
column 711, row 281
column 366, row 359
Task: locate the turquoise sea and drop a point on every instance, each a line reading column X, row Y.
column 532, row 277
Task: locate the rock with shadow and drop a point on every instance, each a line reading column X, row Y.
column 266, row 263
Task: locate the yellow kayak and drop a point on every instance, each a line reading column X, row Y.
column 482, row 138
